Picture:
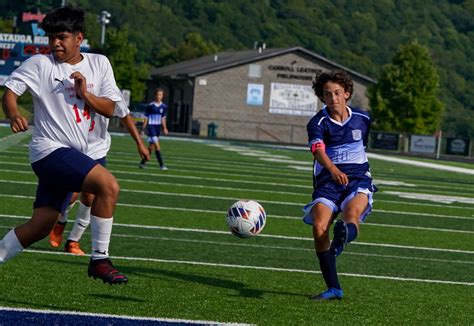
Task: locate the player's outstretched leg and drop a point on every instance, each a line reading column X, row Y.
column 104, row 186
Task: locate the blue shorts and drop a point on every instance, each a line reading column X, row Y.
column 102, row 161
column 59, row 174
column 337, row 196
column 153, row 133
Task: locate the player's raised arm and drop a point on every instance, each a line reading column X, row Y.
column 102, row 105
column 17, row 121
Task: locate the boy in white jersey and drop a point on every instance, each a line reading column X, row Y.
column 99, row 145
column 337, row 136
column 66, row 87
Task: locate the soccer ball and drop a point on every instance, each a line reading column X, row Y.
column 246, row 218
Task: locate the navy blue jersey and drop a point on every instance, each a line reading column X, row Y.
column 155, row 112
column 345, row 142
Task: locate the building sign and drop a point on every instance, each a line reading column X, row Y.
column 16, row 48
column 459, row 146
column 422, row 144
column 292, row 99
column 294, row 72
column 254, row 94
column 384, row 140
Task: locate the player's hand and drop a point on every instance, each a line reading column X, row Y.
column 165, row 131
column 143, row 152
column 338, row 176
column 80, row 84
column 18, row 123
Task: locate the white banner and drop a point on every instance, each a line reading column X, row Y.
column 292, row 99
column 422, row 144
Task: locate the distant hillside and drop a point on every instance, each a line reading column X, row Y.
column 360, row 34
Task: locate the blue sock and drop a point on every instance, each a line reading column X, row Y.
column 351, row 232
column 327, row 263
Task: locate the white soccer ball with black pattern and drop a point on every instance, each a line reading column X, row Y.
column 246, row 218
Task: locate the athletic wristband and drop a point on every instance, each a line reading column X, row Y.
column 318, row 145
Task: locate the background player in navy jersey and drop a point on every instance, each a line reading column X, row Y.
column 66, row 87
column 337, row 136
column 155, row 118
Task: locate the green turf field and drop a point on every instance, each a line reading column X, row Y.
column 413, row 262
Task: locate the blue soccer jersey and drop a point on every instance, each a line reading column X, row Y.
column 345, row 142
column 155, row 112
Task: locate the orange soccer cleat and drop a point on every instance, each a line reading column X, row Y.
column 56, row 234
column 73, row 247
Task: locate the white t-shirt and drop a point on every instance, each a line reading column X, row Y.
column 60, row 118
column 99, row 138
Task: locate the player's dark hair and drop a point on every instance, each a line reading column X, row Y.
column 159, row 89
column 64, row 19
column 340, row 77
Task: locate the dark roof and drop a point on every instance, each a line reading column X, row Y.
column 229, row 59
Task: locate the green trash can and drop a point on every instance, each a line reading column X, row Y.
column 212, row 130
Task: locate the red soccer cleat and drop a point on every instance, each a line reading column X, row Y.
column 104, row 270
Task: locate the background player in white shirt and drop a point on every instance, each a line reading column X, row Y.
column 337, row 136
column 99, row 146
column 66, row 87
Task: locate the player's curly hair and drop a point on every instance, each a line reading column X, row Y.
column 64, row 19
column 340, row 77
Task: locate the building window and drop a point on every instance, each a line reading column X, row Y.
column 255, row 71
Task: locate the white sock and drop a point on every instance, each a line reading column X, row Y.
column 83, row 218
column 101, row 229
column 63, row 218
column 10, row 246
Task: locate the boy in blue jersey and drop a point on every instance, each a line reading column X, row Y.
column 155, row 118
column 337, row 136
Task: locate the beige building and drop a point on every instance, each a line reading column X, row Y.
column 259, row 95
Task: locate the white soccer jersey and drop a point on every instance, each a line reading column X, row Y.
column 60, row 117
column 99, row 137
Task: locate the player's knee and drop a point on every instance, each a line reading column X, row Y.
column 320, row 231
column 112, row 189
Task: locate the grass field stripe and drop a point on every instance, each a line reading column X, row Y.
column 286, row 217
column 116, row 317
column 232, row 188
column 265, row 268
column 236, row 188
column 263, row 235
column 283, row 217
column 233, row 244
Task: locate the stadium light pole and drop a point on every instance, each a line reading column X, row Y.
column 104, row 20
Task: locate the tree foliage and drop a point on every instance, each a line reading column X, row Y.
column 406, row 96
column 362, row 35
column 122, row 56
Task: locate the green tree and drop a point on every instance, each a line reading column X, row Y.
column 406, row 96
column 194, row 46
column 122, row 56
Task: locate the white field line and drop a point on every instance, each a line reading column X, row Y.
column 411, row 202
column 246, row 245
column 233, row 244
column 117, row 318
column 421, row 164
column 222, row 213
column 264, row 268
column 155, row 227
column 301, row 204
